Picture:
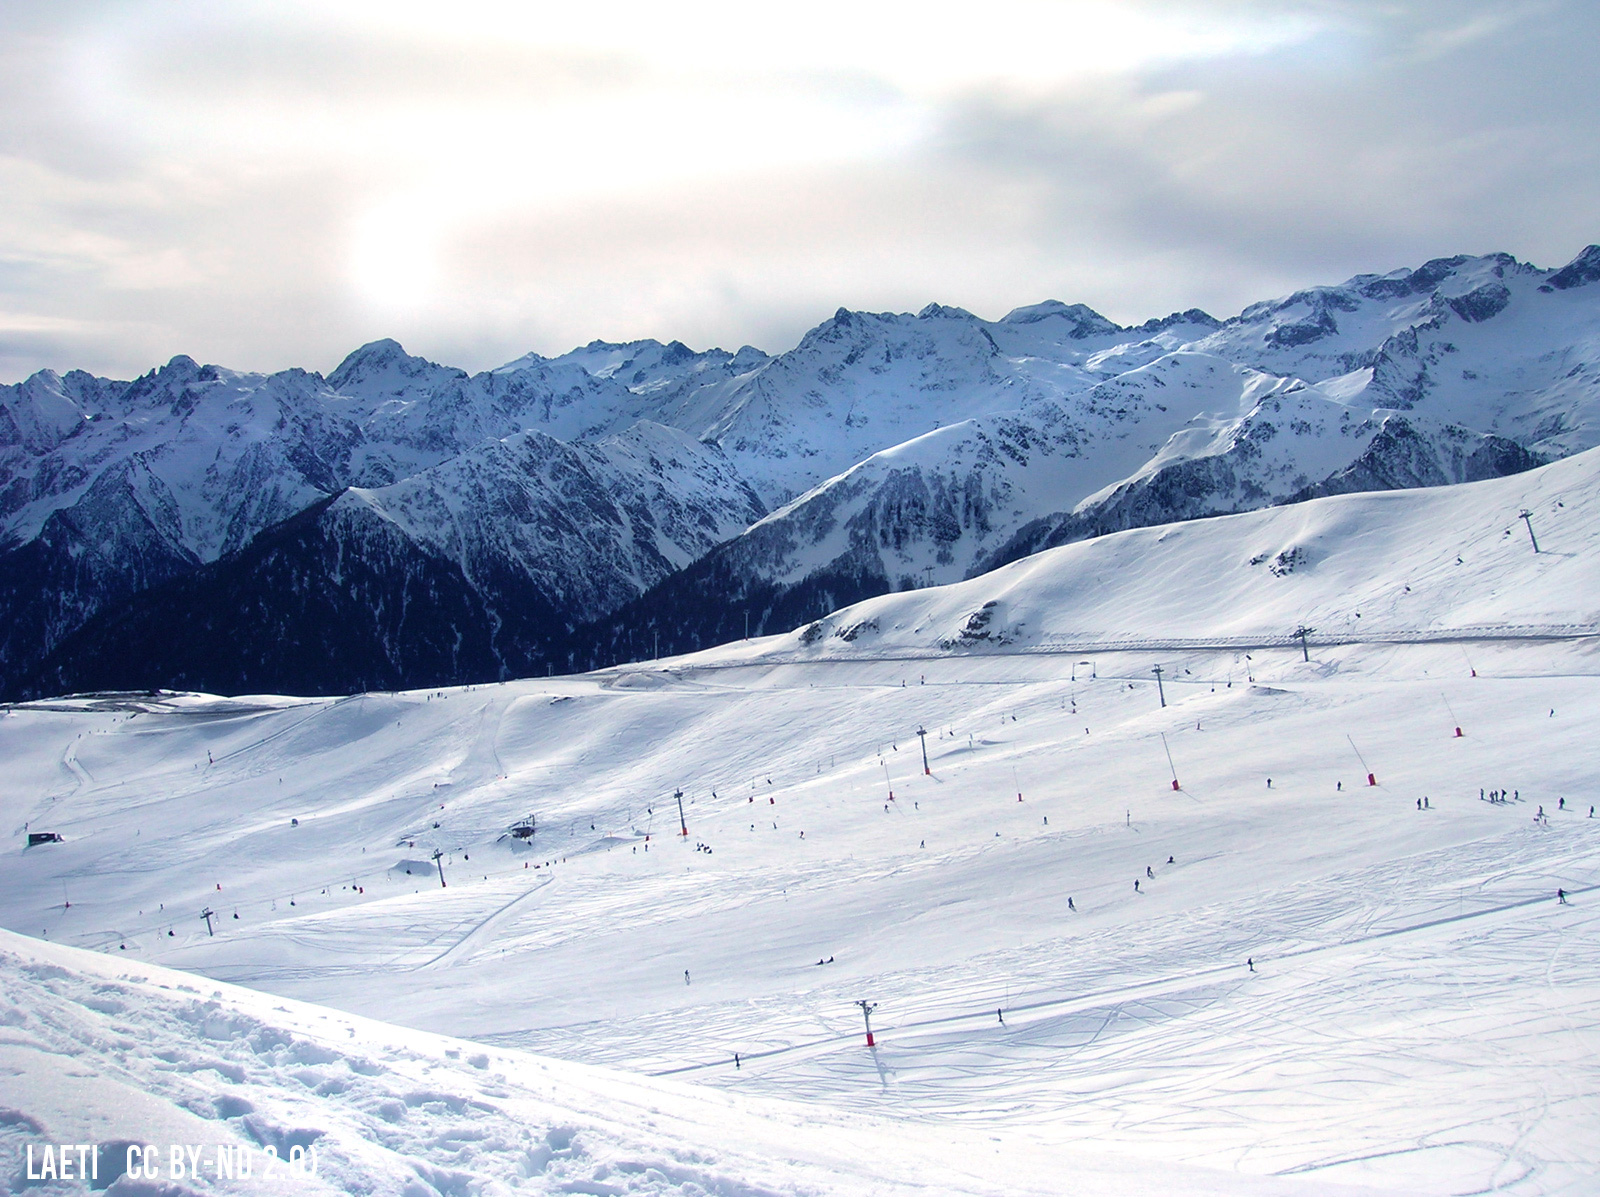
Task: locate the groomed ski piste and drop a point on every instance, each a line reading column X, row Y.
column 1087, row 979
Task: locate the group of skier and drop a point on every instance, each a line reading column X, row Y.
column 1149, row 875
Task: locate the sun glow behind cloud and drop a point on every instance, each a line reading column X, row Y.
column 613, row 101
column 272, row 181
column 925, row 49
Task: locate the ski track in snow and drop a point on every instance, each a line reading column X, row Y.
column 1422, row 1017
column 1148, row 1029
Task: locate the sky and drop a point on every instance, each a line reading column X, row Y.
column 271, row 183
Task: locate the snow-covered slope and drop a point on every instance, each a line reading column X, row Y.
column 632, row 507
column 1465, row 368
column 1404, row 565
column 383, row 1110
column 1316, row 982
column 884, row 451
column 400, row 585
column 110, row 490
column 861, row 382
column 1491, row 342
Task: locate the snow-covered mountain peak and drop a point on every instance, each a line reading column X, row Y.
column 160, row 385
column 1309, row 314
column 39, row 413
column 524, row 362
column 1081, row 320
column 383, row 368
column 1193, row 318
column 676, row 384
column 905, row 446
column 940, row 311
column 1585, row 268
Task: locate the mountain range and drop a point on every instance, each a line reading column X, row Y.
column 400, row 523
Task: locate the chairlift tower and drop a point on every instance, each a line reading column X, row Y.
column 683, row 826
column 1300, row 633
column 1526, row 517
column 208, row 914
column 923, row 733
column 1161, row 692
column 438, row 859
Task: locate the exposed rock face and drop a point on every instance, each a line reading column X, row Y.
column 560, row 512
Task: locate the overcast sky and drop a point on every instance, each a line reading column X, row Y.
column 267, row 184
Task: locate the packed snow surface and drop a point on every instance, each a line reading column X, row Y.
column 119, row 1054
column 1273, row 976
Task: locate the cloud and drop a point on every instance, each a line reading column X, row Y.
column 1362, row 156
column 268, row 184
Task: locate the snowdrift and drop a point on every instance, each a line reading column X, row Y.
column 114, row 1055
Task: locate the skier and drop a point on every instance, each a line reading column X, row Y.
column 1250, row 963
column 685, row 976
column 1001, row 1015
column 736, row 1059
column 1561, row 805
column 1169, row 860
column 1561, row 897
column 1269, row 783
column 1070, row 906
column 1148, row 872
column 1135, row 885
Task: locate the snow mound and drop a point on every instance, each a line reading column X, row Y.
column 378, row 1110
